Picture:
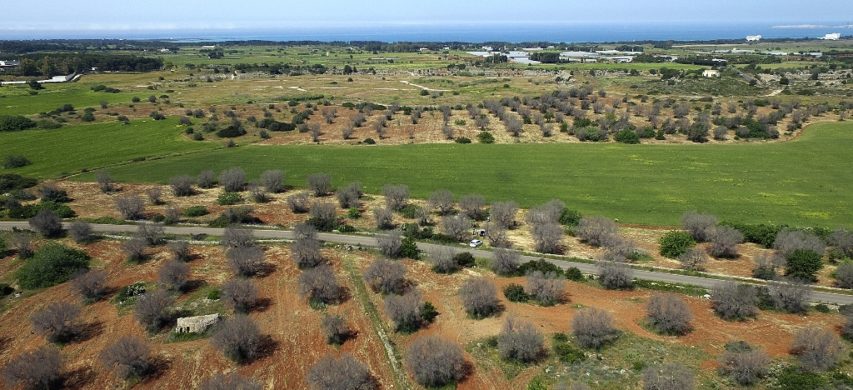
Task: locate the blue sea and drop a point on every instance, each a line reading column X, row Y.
column 483, row 32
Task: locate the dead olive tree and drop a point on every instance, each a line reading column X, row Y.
column 596, row 231
column 129, row 357
column 386, row 277
column 320, row 286
column 547, row 238
column 348, row 197
column 236, row 237
column 520, row 341
column 130, row 207
column 91, row 285
column 22, row 243
column 240, row 294
column 80, row 232
column 306, row 248
column 153, row 310
column 503, row 214
column 46, row 223
column 700, row 226
column 669, row 376
column 441, row 201
column 745, row 367
column 233, row 179
column 183, row 185
column 788, row 241
column 323, row 216
column 457, row 227
column 668, row 314
column 384, row 218
column 405, row 311
column 344, row 372
column 844, row 275
column 273, row 181
column 505, row 262
column 724, row 241
column 239, row 339
column 817, row 349
column 155, row 195
column 180, row 251
column 231, row 381
column 733, row 301
column 593, row 328
column 791, row 297
column 105, row 182
column 336, row 329
column 299, row 203
column 396, row 196
column 320, row 184
column 474, row 206
column 58, row 322
column 390, row 244
column 36, row 369
column 206, row 179
column 615, row 275
column 246, row 261
column 694, row 259
column 174, row 275
column 497, row 236
column 435, row 362
column 151, row 233
column 546, row 288
column 549, row 212
column 479, row 297
column 442, row 260
column 134, row 249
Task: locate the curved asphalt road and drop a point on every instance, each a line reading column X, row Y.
column 818, row 296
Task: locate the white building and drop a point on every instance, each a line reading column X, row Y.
column 832, row 36
column 9, row 63
column 753, row 38
column 710, row 73
column 197, row 324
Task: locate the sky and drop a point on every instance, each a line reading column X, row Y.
column 177, row 15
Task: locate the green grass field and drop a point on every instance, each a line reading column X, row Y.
column 804, row 182
column 73, row 148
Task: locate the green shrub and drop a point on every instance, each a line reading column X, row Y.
column 30, row 210
column 574, row 274
column 12, row 182
column 353, row 213
column 15, row 123
column 485, row 137
column 229, row 198
column 566, row 352
column 463, row 140
column 88, row 116
column 15, row 161
column 627, row 136
column 409, row 249
column 803, row 264
column 676, row 243
column 515, row 293
column 570, row 217
column 646, row 132
column 793, row 378
column 50, row 265
column 231, row 131
column 195, row 211
column 214, row 294
column 428, row 312
column 761, row 234
column 409, row 211
column 464, row 259
column 540, row 265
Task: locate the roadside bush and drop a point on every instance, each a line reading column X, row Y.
column 669, row 376
column 547, row 238
column 50, row 265
column 844, row 275
column 668, row 314
column 46, row 223
column 700, row 226
column 789, row 241
column 505, row 262
column 733, row 301
column 694, row 259
column 306, row 249
column 520, row 341
column 443, row 261
column 847, row 329
column 384, row 218
column 236, row 237
column 479, row 297
column 152, row 310
column 457, row 227
column 58, row 322
column 386, row 277
column 675, row 243
column 464, row 259
column 546, row 288
column 408, row 311
column 724, row 241
column 323, row 216
column 37, row 369
column 320, row 287
column 745, row 367
column 817, row 349
column 134, row 249
column 435, row 362
column 342, row 373
column 320, row 184
column 182, row 185
column 239, row 339
column 151, row 233
column 91, row 285
column 615, row 275
column 595, row 231
column 803, row 265
column 240, row 294
column 593, row 328
column 390, row 244
column 129, row 357
column 233, row 179
column 336, row 329
column 246, row 261
column 131, row 207
column 299, row 203
column 80, row 231
column 174, row 275
column 231, row 381
column 789, row 297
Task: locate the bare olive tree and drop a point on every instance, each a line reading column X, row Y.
column 46, row 223
column 479, row 297
column 456, row 226
column 546, row 288
column 91, row 285
column 273, row 181
column 700, row 226
column 733, row 301
column 336, row 329
column 474, row 206
column 788, row 241
column 80, row 232
column 105, row 182
column 183, row 185
column 233, row 179
column 246, row 261
column 669, row 376
column 503, row 214
column 323, row 216
column 231, row 381
column 134, row 249
column 240, row 294
column 174, row 275
column 180, row 251
column 724, row 241
column 435, row 362
column 547, row 238
column 745, row 367
column 593, row 328
column 239, row 339
column 206, row 179
column 442, row 260
column 320, row 184
column 130, row 207
column 37, row 369
column 596, row 231
column 235, row 237
column 694, row 259
column 396, row 196
column 58, row 322
column 668, row 314
column 129, row 357
column 520, row 341
column 153, row 311
column 505, row 262
column 384, row 218
column 386, row 277
column 320, row 286
column 615, row 275
column 299, row 203
column 441, row 201
column 405, row 311
column 818, row 349
column 791, row 297
column 306, row 248
column 348, row 197
column 390, row 244
column 344, row 372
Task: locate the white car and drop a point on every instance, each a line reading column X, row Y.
column 475, row 243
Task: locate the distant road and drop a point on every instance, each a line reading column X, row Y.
column 818, row 296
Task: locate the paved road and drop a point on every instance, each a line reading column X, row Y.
column 818, row 296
